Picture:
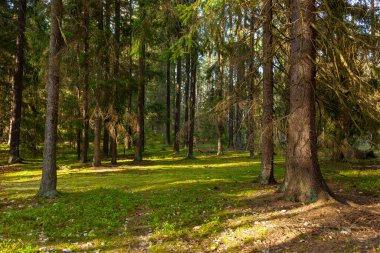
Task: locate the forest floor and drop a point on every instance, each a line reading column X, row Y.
column 172, row 204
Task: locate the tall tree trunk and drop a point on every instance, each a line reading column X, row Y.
column 168, row 91
column 114, row 87
column 251, row 88
column 48, row 187
column 107, row 28
column 130, row 75
column 177, row 115
column 86, row 67
column 374, row 51
column 194, row 60
column 97, row 131
column 219, row 93
column 140, row 106
column 303, row 178
column 14, row 151
column 193, row 84
column 231, row 109
column 266, row 173
column 240, row 69
column 239, row 106
column 187, row 91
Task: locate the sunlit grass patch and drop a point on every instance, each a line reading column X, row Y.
column 166, row 204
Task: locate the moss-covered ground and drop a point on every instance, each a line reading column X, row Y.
column 172, row 204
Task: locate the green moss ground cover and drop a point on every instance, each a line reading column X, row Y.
column 165, row 204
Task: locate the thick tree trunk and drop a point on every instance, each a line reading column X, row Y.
column 86, row 68
column 48, row 187
column 14, row 151
column 140, row 106
column 194, row 60
column 187, row 91
column 303, row 178
column 266, row 173
column 177, row 115
column 168, row 91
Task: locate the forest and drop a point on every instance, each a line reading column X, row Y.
column 189, row 126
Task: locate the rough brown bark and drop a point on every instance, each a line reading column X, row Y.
column 266, row 172
column 48, row 187
column 303, row 178
column 193, row 83
column 14, row 151
column 177, row 114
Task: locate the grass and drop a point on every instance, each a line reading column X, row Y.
column 165, row 204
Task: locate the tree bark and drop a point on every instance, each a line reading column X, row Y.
column 231, row 111
column 79, row 138
column 86, row 67
column 97, row 131
column 97, row 154
column 219, row 93
column 129, row 128
column 168, row 88
column 251, row 88
column 194, row 60
column 106, row 137
column 130, row 70
column 266, row 172
column 48, row 187
column 14, row 151
column 177, row 115
column 114, row 87
column 187, row 91
column 140, row 106
column 303, row 178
